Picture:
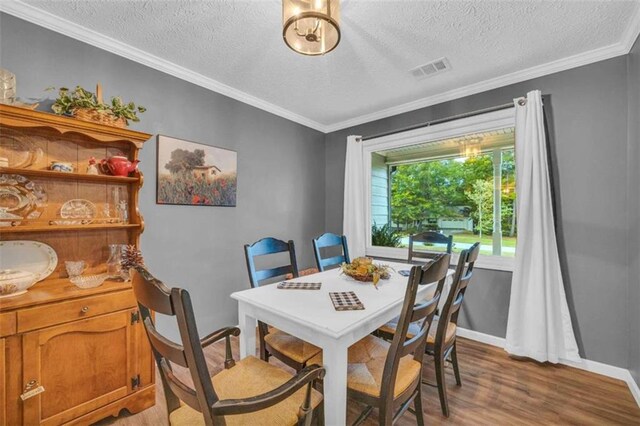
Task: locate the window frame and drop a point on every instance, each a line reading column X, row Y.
column 476, row 124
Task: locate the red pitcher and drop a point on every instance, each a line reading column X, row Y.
column 118, row 165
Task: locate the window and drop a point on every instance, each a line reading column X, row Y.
column 458, row 181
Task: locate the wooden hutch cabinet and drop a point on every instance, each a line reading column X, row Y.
column 87, row 348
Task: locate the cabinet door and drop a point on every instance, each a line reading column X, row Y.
column 81, row 365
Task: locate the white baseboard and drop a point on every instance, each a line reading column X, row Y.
column 585, row 364
column 634, row 388
column 481, row 337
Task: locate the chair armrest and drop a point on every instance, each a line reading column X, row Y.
column 219, row 334
column 306, row 376
column 225, row 333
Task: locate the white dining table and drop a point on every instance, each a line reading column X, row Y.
column 310, row 315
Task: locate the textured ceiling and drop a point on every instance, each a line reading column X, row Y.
column 239, row 44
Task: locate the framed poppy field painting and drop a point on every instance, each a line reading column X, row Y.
column 195, row 174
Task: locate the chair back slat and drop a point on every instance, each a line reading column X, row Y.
column 424, row 309
column 429, row 237
column 331, row 261
column 422, row 313
column 474, row 251
column 189, row 354
column 269, row 246
column 457, row 303
column 152, row 293
column 423, row 316
column 265, row 274
column 461, row 279
column 180, row 389
column 433, row 272
column 330, row 240
column 437, row 270
column 168, row 349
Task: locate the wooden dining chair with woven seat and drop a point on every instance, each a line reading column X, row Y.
column 443, row 344
column 441, row 341
column 431, row 238
column 289, row 349
column 247, row 392
column 374, row 364
column 330, row 241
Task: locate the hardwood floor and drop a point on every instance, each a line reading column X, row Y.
column 496, row 390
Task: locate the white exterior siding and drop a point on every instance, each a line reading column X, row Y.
column 379, row 190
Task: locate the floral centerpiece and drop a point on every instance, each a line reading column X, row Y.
column 363, row 269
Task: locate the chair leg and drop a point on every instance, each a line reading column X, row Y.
column 454, row 361
column 363, row 416
column 417, row 403
column 264, row 354
column 442, row 386
column 320, row 414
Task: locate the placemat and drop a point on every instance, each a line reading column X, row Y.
column 288, row 285
column 346, row 301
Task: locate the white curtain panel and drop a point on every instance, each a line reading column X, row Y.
column 353, row 225
column 539, row 324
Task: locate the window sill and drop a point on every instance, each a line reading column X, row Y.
column 494, row 263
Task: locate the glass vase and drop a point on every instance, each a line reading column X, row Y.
column 114, row 266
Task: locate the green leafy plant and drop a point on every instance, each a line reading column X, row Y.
column 384, row 236
column 70, row 100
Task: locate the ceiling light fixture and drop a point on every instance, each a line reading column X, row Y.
column 311, row 27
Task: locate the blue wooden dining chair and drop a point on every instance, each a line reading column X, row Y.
column 269, row 246
column 330, row 240
column 287, row 348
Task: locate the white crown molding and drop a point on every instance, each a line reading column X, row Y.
column 86, row 35
column 632, row 32
column 574, row 61
column 623, row 47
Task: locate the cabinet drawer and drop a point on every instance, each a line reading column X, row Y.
column 58, row 313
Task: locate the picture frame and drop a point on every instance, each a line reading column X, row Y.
column 195, row 174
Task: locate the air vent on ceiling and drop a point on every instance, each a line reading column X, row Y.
column 427, row 70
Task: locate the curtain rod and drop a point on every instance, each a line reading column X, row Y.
column 522, row 101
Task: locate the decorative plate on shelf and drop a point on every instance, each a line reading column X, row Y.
column 19, row 196
column 78, row 209
column 9, row 219
column 18, row 149
column 31, row 256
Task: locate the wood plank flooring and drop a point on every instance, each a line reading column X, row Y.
column 496, row 390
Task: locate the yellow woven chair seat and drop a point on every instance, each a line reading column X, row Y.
column 303, row 273
column 250, row 377
column 290, row 346
column 390, row 328
column 366, row 364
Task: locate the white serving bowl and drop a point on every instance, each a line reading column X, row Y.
column 14, row 282
column 89, row 281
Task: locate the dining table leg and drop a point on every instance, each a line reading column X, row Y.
column 248, row 326
column 335, row 384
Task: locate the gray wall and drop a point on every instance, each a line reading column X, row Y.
column 634, row 210
column 280, row 165
column 284, row 191
column 587, row 109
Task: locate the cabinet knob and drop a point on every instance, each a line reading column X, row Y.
column 84, row 309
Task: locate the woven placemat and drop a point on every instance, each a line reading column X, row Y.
column 288, row 285
column 346, row 301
